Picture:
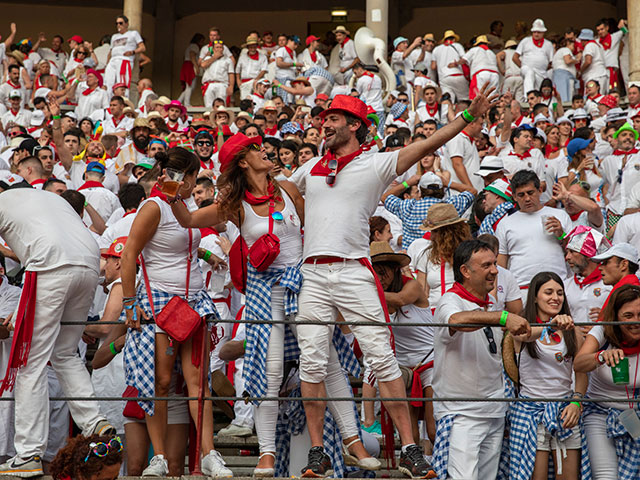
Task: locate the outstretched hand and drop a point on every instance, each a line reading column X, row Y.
column 484, row 100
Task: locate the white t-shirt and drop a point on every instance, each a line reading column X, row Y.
column 559, row 63
column 583, row 298
column 192, row 48
column 98, row 99
column 530, row 249
column 481, row 59
column 120, row 228
column 507, row 288
column 462, row 146
column 611, row 54
column 554, row 169
column 165, row 254
column 337, row 218
column 438, row 114
column 369, row 87
column 618, row 192
column 104, row 201
column 307, row 61
column 597, row 68
column 347, row 53
column 537, row 58
column 219, row 70
column 549, row 375
column 111, row 125
column 22, row 117
column 248, row 68
column 287, row 57
column 45, row 232
column 513, row 164
column 601, row 381
column 59, row 59
column 9, row 297
column 628, row 230
column 464, row 366
column 124, row 42
column 443, row 55
column 210, row 243
column 413, row 343
column 434, row 273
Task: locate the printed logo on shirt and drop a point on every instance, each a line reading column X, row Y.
column 597, row 292
column 559, row 357
column 636, row 166
column 500, row 289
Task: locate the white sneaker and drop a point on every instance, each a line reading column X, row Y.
column 158, row 467
column 213, row 465
column 232, row 430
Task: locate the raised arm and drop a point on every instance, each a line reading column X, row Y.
column 9, row 40
column 201, row 218
column 411, row 154
column 63, row 152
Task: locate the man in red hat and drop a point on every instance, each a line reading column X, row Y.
column 125, row 45
column 89, row 95
column 342, row 191
column 175, row 113
column 311, row 57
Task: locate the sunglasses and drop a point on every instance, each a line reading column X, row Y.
column 255, row 147
column 217, row 42
column 203, row 143
column 403, row 100
column 493, row 348
column 331, row 178
column 101, row 449
column 277, row 216
column 120, row 23
column 80, row 52
column 14, row 134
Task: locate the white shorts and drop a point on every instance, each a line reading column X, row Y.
column 546, row 442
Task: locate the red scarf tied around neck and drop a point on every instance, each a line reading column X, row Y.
column 465, row 294
column 321, row 168
column 253, row 200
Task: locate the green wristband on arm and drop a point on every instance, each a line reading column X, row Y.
column 112, row 347
column 207, row 255
column 503, row 318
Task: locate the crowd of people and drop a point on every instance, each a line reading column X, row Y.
column 320, row 231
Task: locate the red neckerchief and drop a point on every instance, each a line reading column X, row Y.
column 548, row 150
column 555, row 336
column 255, row 56
column 448, row 42
column 37, row 182
column 172, row 128
column 526, row 154
column 268, row 45
column 17, row 86
column 116, row 123
column 88, row 91
column 271, row 130
column 575, row 216
column 203, row 164
column 483, row 47
column 129, row 213
column 90, row 184
column 321, row 168
column 14, row 112
column 519, row 120
column 251, row 199
column 594, row 98
column 622, row 152
column 143, row 152
column 344, row 42
column 630, row 279
column 538, row 43
column 314, row 56
column 431, row 111
column 205, row 232
column 630, row 349
column 465, row 294
column 593, row 277
column 548, row 97
column 290, row 52
column 634, row 105
column 258, row 95
column 468, row 136
column 367, row 74
column 156, row 192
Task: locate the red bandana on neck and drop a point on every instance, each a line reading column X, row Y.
column 343, row 43
column 538, row 43
column 88, row 91
column 90, row 184
column 37, row 182
column 448, row 42
column 321, row 168
column 483, row 47
column 575, row 216
column 14, row 85
column 203, row 164
column 630, row 279
column 432, row 111
column 465, row 294
column 522, row 156
column 255, row 56
column 548, row 149
column 617, row 151
column 253, row 200
column 314, row 56
column 271, row 130
column 472, row 140
column 205, row 232
column 555, row 336
column 593, row 277
column 290, row 52
column 630, row 349
column 130, row 212
column 156, row 192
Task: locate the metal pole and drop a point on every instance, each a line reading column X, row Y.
column 203, row 380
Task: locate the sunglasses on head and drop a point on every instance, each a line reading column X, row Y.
column 101, row 449
column 217, row 42
column 331, row 177
column 255, row 146
column 204, row 143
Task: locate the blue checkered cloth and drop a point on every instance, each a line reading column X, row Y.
column 412, row 212
column 627, row 449
column 139, row 347
column 441, row 446
column 524, row 418
column 500, row 211
column 317, row 71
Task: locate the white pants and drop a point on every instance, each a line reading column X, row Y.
column 531, row 78
column 474, row 447
column 63, row 294
column 266, row 414
column 185, row 96
column 493, row 79
column 320, row 84
column 112, row 72
column 243, row 411
column 223, row 332
column 602, row 450
column 457, row 87
column 215, row 90
column 347, row 287
column 515, row 86
column 246, row 89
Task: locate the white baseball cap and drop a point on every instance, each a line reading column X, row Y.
column 620, row 250
column 15, row 93
column 429, row 179
column 37, row 118
column 490, row 164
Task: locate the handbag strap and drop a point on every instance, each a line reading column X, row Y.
column 146, row 277
column 271, row 210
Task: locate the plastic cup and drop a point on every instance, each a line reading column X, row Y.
column 620, row 372
column 631, row 423
column 543, row 220
column 172, row 184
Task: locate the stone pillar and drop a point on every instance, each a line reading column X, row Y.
column 378, row 18
column 132, row 9
column 633, row 16
column 163, row 46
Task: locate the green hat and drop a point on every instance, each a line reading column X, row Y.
column 626, row 127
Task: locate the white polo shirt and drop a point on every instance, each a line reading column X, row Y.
column 512, row 163
column 337, row 218
column 22, row 117
column 464, row 366
column 111, row 125
column 218, row 71
column 443, row 55
column 288, row 57
column 462, row 146
column 307, row 61
column 248, row 68
column 506, row 288
column 537, row 58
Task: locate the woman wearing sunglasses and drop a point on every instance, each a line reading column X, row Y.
column 545, row 361
column 260, row 205
column 88, row 458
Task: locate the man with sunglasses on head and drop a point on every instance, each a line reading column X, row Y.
column 468, row 363
column 218, row 76
column 125, row 45
column 342, row 191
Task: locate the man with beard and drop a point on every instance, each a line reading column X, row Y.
column 585, row 289
column 338, row 277
column 175, row 112
column 133, row 151
column 45, row 155
column 115, row 121
column 203, row 146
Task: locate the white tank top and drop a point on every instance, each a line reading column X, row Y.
column 288, row 231
column 165, row 255
column 413, row 343
column 510, row 68
column 549, row 375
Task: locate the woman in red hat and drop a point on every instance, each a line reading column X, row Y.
column 262, row 207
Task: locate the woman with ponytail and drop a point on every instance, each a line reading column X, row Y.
column 88, row 458
column 168, row 255
column 263, row 207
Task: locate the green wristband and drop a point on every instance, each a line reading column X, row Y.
column 244, row 345
column 207, row 255
column 503, row 318
column 376, row 137
column 578, row 404
column 467, row 116
column 56, row 117
column 561, row 237
column 405, row 185
column 625, row 30
column 112, row 347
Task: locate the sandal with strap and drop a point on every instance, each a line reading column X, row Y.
column 264, row 472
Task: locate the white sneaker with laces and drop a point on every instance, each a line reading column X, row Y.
column 213, row 465
column 158, row 467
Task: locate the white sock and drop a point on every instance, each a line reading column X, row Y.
column 404, row 447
